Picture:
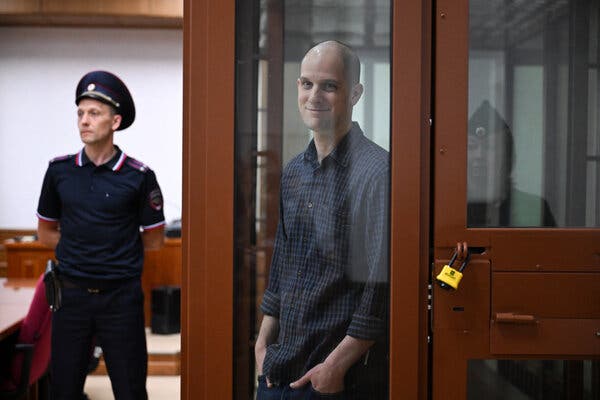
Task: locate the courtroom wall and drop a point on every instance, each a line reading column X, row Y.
column 39, row 69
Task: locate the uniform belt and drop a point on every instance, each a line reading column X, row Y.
column 72, row 285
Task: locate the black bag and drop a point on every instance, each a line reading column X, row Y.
column 166, row 309
column 53, row 287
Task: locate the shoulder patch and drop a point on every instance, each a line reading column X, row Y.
column 62, row 158
column 155, row 199
column 135, row 164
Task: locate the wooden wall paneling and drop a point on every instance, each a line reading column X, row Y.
column 19, row 6
column 166, row 8
column 111, row 7
column 107, row 13
column 162, row 8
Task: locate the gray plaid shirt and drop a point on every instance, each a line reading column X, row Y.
column 329, row 271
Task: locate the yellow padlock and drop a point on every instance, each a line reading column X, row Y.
column 449, row 278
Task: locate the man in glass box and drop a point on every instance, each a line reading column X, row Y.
column 324, row 329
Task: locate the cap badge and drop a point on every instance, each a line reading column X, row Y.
column 91, row 87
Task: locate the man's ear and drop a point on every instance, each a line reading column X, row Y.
column 117, row 118
column 357, row 91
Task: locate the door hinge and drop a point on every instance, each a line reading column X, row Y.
column 429, row 297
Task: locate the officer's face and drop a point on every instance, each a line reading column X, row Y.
column 325, row 98
column 96, row 121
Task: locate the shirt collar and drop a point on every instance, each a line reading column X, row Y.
column 115, row 163
column 341, row 152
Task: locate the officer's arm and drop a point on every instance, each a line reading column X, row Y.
column 48, row 233
column 153, row 239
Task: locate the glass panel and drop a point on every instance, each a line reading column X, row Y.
column 345, row 238
column 534, row 114
column 533, row 379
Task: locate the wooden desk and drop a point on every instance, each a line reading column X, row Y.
column 161, row 267
column 15, row 298
column 26, row 259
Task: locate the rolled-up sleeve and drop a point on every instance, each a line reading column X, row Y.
column 369, row 321
column 271, row 301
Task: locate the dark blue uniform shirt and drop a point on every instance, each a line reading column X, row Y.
column 328, row 275
column 100, row 210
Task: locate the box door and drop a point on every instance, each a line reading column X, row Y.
column 517, row 179
column 241, row 61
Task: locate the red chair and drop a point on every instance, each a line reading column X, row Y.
column 31, row 356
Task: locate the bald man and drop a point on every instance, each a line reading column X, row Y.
column 324, row 329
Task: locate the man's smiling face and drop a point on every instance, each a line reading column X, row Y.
column 324, row 94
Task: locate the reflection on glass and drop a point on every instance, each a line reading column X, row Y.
column 493, row 199
column 272, row 38
column 533, row 379
column 534, row 114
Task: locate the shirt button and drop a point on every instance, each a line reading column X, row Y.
column 310, row 204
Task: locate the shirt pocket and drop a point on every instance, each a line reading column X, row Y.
column 333, row 228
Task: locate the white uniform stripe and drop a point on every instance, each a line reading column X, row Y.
column 40, row 216
column 120, row 162
column 79, row 158
column 147, row 227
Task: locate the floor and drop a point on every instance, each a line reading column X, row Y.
column 97, row 387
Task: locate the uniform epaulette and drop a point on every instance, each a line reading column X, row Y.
column 62, row 158
column 135, row 164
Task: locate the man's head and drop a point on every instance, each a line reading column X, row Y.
column 107, row 88
column 328, row 88
column 96, row 121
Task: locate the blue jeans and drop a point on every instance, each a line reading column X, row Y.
column 114, row 317
column 285, row 392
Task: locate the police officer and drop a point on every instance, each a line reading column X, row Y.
column 99, row 209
